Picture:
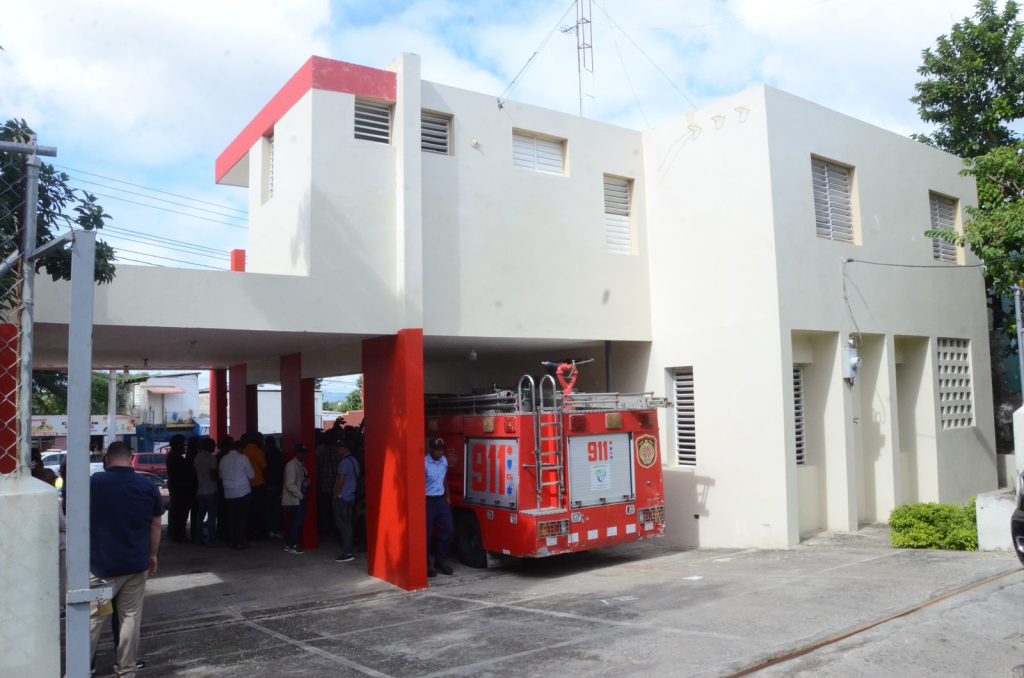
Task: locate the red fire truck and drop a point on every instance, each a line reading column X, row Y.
column 541, row 471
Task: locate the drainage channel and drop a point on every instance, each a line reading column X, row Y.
column 808, row 649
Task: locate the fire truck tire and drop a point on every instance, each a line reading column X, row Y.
column 469, row 543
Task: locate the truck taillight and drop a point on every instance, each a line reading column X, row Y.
column 655, row 514
column 552, row 528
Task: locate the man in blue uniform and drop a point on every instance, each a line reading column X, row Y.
column 439, row 513
column 124, row 523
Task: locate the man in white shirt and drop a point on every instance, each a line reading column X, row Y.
column 235, row 474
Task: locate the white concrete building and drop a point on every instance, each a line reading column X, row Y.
column 708, row 259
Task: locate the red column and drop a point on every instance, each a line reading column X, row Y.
column 237, row 401
column 252, row 407
column 297, row 426
column 218, row 404
column 395, row 434
column 238, row 261
column 8, row 398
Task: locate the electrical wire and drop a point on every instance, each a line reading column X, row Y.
column 515, row 81
column 153, row 197
column 164, row 209
column 640, row 49
column 130, row 239
column 180, row 261
column 162, row 239
column 629, row 80
column 150, row 188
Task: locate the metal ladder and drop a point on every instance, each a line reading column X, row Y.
column 550, row 439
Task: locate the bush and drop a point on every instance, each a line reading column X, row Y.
column 935, row 526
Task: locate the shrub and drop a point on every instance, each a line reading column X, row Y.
column 935, row 526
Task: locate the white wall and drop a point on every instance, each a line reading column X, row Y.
column 510, row 252
column 714, row 306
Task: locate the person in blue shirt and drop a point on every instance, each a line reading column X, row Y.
column 124, row 524
column 344, row 501
column 439, row 513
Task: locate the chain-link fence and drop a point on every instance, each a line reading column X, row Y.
column 13, row 189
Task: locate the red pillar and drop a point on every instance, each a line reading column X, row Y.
column 252, row 407
column 297, row 426
column 8, row 403
column 395, row 434
column 218, row 404
column 237, row 400
column 238, row 261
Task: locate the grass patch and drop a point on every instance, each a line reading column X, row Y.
column 951, row 527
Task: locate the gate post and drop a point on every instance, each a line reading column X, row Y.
column 395, row 437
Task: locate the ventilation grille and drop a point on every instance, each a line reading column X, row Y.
column 943, row 216
column 617, row 215
column 686, row 421
column 539, row 154
column 798, row 413
column 956, row 400
column 434, row 132
column 373, row 122
column 833, row 206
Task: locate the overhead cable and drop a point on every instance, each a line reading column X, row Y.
column 153, row 197
column 540, row 48
column 180, row 261
column 164, row 209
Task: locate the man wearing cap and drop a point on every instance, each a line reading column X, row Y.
column 439, row 513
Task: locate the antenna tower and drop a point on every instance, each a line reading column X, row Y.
column 585, row 54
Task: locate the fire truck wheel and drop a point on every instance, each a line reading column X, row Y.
column 468, row 540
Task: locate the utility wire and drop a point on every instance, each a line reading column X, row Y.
column 180, row 261
column 161, row 239
column 150, row 188
column 646, row 56
column 153, row 197
column 536, row 52
column 131, row 239
column 164, row 209
column 628, row 79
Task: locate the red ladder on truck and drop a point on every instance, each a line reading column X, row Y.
column 549, row 442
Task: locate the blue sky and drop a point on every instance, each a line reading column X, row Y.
column 151, row 93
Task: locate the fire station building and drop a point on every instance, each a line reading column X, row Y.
column 761, row 262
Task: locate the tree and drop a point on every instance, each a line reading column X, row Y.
column 354, row 401
column 974, row 82
column 50, row 393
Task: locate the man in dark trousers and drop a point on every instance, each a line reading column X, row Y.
column 181, row 483
column 124, row 519
column 439, row 513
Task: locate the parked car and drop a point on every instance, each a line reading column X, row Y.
column 52, row 459
column 151, row 462
column 160, row 483
column 1017, row 521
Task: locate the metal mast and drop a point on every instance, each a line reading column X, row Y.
column 585, row 54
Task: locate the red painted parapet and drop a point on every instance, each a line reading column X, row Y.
column 8, row 398
column 395, row 481
column 238, row 261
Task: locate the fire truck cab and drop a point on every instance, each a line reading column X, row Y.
column 540, row 471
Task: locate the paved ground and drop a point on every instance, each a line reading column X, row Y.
column 644, row 609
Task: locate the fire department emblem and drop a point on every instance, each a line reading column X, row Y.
column 646, row 451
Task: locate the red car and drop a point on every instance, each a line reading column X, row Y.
column 151, row 462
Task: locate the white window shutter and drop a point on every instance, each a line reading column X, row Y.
column 686, row 420
column 798, row 414
column 618, row 215
column 373, row 121
column 833, row 202
column 435, row 131
column 537, row 153
column 943, row 213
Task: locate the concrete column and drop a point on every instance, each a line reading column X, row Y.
column 890, row 486
column 841, row 439
column 218, row 404
column 408, row 188
column 395, row 436
column 238, row 401
column 297, row 426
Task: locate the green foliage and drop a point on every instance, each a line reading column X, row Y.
column 50, row 393
column 60, row 207
column 354, row 401
column 935, row 526
column 973, row 83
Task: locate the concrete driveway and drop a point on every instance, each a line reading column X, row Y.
column 644, row 609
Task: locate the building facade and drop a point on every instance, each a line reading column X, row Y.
column 738, row 259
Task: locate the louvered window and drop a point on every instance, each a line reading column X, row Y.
column 686, row 421
column 798, row 413
column 434, row 132
column 833, row 202
column 943, row 216
column 268, row 168
column 538, row 153
column 618, row 228
column 373, row 121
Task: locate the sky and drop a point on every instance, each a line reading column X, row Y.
column 141, row 97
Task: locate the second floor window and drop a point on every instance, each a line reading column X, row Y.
column 373, row 121
column 538, row 153
column 943, row 216
column 833, row 200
